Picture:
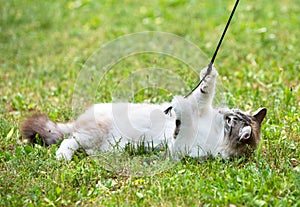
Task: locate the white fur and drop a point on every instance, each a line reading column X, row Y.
column 104, row 126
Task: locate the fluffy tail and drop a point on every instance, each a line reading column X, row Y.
column 49, row 131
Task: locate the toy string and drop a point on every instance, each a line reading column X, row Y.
column 209, row 67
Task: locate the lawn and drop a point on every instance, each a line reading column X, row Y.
column 44, row 46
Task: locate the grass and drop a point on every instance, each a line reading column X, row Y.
column 43, row 46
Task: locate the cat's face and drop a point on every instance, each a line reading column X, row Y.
column 242, row 131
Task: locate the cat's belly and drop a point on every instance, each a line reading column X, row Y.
column 136, row 122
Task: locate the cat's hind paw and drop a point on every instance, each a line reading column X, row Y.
column 67, row 149
column 67, row 156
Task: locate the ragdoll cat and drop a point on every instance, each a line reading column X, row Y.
column 193, row 127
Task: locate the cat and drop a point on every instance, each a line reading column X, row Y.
column 193, row 128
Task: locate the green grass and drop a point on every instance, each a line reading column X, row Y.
column 43, row 46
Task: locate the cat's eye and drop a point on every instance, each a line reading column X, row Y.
column 231, row 120
column 228, row 120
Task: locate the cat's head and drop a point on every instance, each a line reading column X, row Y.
column 242, row 131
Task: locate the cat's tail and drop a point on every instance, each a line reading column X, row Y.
column 47, row 130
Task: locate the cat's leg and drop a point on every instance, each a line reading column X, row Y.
column 189, row 109
column 89, row 140
column 202, row 97
column 185, row 130
column 67, row 149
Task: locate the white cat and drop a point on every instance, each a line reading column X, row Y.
column 193, row 127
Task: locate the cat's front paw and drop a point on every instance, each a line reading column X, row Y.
column 204, row 88
column 213, row 73
column 208, row 83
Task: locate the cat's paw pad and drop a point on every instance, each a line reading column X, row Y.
column 204, row 87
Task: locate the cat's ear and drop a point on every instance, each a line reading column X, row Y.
column 260, row 114
column 245, row 133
